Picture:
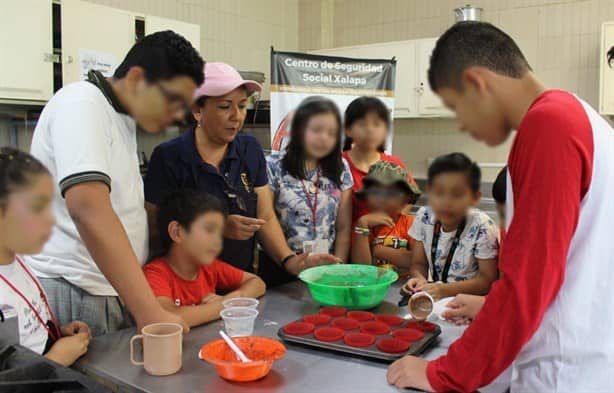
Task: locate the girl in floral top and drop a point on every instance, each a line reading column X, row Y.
column 312, row 183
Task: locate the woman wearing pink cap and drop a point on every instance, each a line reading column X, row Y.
column 215, row 158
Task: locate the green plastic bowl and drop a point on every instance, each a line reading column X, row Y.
column 357, row 287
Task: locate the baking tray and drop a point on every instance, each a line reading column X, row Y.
column 371, row 352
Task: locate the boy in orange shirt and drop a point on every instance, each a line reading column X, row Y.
column 381, row 237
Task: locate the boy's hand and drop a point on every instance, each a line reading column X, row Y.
column 162, row 315
column 242, row 228
column 463, row 308
column 375, row 220
column 437, row 290
column 212, row 298
column 75, row 327
column 414, row 285
column 68, row 349
column 409, row 372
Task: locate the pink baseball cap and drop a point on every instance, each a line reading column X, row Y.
column 220, row 79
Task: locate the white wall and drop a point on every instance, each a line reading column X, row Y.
column 560, row 39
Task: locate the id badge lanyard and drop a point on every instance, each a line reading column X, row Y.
column 450, row 256
column 313, row 206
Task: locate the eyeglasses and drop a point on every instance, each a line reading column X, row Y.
column 384, row 193
column 175, row 100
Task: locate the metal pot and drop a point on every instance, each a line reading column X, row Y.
column 468, row 12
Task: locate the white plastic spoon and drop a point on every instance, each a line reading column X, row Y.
column 234, row 347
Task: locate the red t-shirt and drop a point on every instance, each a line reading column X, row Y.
column 165, row 282
column 359, row 207
column 550, row 166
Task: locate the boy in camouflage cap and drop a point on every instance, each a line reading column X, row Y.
column 381, row 237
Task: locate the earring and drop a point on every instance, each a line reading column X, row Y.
column 198, row 124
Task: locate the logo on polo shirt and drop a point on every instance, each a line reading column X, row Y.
column 245, row 181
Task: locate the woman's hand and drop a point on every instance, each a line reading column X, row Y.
column 375, row 220
column 464, row 308
column 300, row 262
column 242, row 228
column 68, row 349
column 75, row 327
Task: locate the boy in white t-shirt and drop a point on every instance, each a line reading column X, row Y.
column 456, row 245
column 26, row 221
column 86, row 136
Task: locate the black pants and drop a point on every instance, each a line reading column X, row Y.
column 271, row 273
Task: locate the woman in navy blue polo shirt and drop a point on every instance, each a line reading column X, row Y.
column 213, row 157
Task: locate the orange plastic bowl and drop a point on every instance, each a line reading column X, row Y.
column 262, row 351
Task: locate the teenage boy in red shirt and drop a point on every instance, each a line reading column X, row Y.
column 546, row 316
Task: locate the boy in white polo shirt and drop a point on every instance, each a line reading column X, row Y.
column 86, row 136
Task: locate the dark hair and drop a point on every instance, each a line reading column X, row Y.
column 200, row 103
column 499, row 186
column 611, row 56
column 184, row 206
column 456, row 162
column 16, row 171
column 358, row 110
column 468, row 44
column 163, row 55
column 294, row 159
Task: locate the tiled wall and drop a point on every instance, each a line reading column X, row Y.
column 238, row 32
column 560, row 38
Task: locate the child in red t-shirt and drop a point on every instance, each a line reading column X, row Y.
column 367, row 124
column 188, row 277
column 382, row 236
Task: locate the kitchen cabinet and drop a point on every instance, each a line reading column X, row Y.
column 93, row 33
column 606, row 79
column 190, row 31
column 26, row 68
column 92, row 36
column 412, row 96
column 429, row 103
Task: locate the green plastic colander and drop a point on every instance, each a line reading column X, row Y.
column 357, row 287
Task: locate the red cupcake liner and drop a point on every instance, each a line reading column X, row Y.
column 333, row 311
column 317, row 319
column 421, row 325
column 299, row 328
column 328, row 334
column 346, row 323
column 359, row 340
column 392, row 345
column 409, row 335
column 375, row 328
column 361, row 315
column 390, row 319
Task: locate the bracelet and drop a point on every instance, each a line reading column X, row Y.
column 362, row 231
column 284, row 261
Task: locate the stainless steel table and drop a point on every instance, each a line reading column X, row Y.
column 301, row 370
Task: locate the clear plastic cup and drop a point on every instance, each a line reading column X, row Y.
column 241, row 302
column 239, row 321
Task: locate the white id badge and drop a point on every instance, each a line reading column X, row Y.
column 308, row 246
column 320, row 246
